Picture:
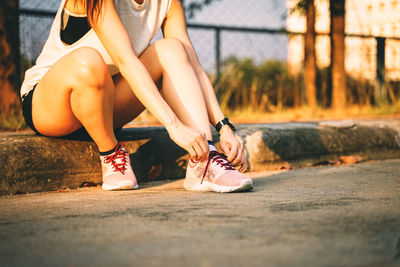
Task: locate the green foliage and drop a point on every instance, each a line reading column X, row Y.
column 13, row 120
column 264, row 87
column 360, row 91
column 270, row 87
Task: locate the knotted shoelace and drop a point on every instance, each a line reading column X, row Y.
column 220, row 159
column 118, row 159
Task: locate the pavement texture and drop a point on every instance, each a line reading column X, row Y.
column 30, row 163
column 346, row 215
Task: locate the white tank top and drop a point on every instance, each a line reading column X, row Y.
column 142, row 21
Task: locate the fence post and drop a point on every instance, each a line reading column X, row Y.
column 380, row 88
column 218, row 54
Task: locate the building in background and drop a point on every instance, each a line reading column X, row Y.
column 363, row 17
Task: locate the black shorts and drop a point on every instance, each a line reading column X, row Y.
column 80, row 134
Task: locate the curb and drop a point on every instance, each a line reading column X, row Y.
column 30, row 163
column 305, row 144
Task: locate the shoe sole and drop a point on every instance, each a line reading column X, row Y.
column 129, row 186
column 193, row 184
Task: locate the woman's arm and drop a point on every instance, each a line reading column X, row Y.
column 175, row 27
column 115, row 39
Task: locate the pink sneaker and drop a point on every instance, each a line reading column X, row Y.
column 217, row 175
column 117, row 171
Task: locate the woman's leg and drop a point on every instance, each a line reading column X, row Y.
column 167, row 59
column 77, row 90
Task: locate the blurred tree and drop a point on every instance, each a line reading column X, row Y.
column 338, row 74
column 307, row 8
column 310, row 65
column 9, row 55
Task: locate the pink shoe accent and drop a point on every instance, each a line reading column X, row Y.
column 117, row 170
column 219, row 159
column 216, row 174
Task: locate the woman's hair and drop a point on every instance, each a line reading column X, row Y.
column 93, row 8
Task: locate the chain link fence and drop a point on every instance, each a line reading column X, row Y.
column 243, row 29
column 36, row 18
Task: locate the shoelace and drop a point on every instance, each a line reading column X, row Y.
column 121, row 154
column 219, row 159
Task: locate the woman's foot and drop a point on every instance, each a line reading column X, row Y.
column 215, row 174
column 117, row 170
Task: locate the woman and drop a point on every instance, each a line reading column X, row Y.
column 97, row 72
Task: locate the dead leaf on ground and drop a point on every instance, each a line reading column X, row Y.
column 90, row 184
column 350, row 159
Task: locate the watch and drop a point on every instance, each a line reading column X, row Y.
column 223, row 122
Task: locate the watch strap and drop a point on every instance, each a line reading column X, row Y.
column 223, row 122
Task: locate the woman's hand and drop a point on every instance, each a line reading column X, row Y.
column 233, row 148
column 192, row 140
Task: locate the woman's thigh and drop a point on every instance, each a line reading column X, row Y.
column 51, row 103
column 127, row 105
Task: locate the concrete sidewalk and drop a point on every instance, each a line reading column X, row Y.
column 326, row 216
column 30, row 163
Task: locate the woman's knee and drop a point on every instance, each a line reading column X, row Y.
column 89, row 67
column 172, row 50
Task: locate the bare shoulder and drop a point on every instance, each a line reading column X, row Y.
column 176, row 9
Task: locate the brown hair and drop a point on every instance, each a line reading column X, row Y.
column 93, row 8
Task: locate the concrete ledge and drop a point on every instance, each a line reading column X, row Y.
column 303, row 144
column 29, row 163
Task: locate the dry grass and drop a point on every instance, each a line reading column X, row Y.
column 307, row 114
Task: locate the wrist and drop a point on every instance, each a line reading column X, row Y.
column 217, row 119
column 172, row 123
column 226, row 130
